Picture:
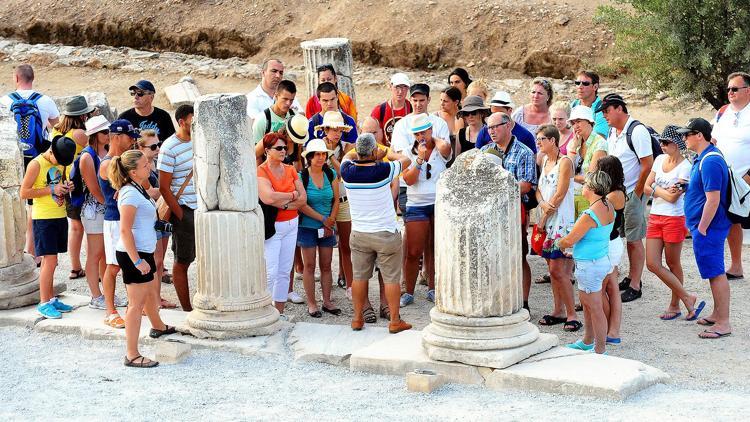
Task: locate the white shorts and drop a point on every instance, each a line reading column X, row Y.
column 616, row 248
column 93, row 222
column 111, row 237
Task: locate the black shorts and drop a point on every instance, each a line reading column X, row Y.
column 183, row 236
column 50, row 236
column 131, row 274
column 74, row 213
column 743, row 221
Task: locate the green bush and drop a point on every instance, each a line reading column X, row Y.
column 686, row 48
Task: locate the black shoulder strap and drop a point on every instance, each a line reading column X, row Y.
column 629, row 135
column 267, row 112
column 35, row 96
column 15, row 96
column 305, row 177
column 291, row 112
column 329, row 173
column 382, row 112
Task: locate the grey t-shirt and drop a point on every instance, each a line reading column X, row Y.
column 145, row 217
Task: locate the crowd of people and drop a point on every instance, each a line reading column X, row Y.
column 586, row 171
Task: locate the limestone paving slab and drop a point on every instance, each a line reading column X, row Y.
column 501, row 358
column 331, row 344
column 28, row 316
column 398, row 354
column 586, row 374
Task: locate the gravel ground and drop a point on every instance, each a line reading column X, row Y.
column 89, row 382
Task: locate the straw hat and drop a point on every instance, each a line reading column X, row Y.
column 334, row 120
column 317, row 145
column 296, row 129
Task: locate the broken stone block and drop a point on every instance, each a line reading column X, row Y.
column 182, row 93
column 423, row 381
column 171, row 351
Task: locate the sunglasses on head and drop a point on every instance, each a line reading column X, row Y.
column 280, row 148
column 138, row 93
column 584, row 83
column 735, row 88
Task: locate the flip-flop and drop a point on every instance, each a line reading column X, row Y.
column 705, row 322
column 316, row 314
column 716, row 333
column 551, row 320
column 674, row 315
column 734, row 276
column 545, row 279
column 697, row 311
column 334, row 311
column 76, row 274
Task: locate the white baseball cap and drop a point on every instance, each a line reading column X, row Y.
column 502, row 99
column 582, row 112
column 400, row 79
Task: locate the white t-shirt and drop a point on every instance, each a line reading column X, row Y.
column 258, row 100
column 402, row 138
column 618, row 146
column 423, row 191
column 47, row 107
column 661, row 206
column 732, row 134
column 143, row 223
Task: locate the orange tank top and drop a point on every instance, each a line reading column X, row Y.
column 285, row 184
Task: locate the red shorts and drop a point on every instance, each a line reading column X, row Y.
column 671, row 229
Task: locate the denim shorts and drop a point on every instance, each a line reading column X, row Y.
column 590, row 273
column 419, row 213
column 308, row 238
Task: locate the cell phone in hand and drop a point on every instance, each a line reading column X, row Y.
column 321, row 233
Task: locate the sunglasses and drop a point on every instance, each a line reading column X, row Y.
column 428, row 167
column 280, row 148
column 138, row 94
column 664, row 142
column 584, row 83
column 104, row 132
column 153, row 147
column 735, row 88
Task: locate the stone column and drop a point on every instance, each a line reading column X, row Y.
column 336, row 51
column 478, row 316
column 19, row 278
column 232, row 298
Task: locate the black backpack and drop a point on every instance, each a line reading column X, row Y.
column 655, row 145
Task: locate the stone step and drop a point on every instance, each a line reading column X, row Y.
column 331, row 344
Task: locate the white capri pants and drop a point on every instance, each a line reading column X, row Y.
column 279, row 250
column 111, row 237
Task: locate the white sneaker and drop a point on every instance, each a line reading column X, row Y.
column 98, row 303
column 121, row 302
column 294, row 297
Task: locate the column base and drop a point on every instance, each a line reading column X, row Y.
column 225, row 325
column 19, row 284
column 495, row 342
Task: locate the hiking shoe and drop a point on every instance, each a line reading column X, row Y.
column 294, row 297
column 61, row 307
column 98, row 303
column 48, row 311
column 398, row 326
column 624, row 284
column 580, row 345
column 406, row 300
column 431, row 295
column 120, row 302
column 630, row 294
column 114, row 320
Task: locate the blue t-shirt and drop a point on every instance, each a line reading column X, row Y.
column 600, row 123
column 712, row 176
column 318, row 199
column 520, row 132
column 317, row 119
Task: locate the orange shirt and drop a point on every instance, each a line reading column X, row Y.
column 285, row 184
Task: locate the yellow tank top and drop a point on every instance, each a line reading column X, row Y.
column 46, row 208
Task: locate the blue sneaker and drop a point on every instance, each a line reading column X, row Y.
column 614, row 340
column 406, row 299
column 580, row 345
column 61, row 307
column 431, row 296
column 48, row 311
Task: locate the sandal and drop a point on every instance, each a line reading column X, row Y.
column 572, row 326
column 315, row 314
column 76, row 274
column 142, row 363
column 166, row 278
column 385, row 313
column 552, row 320
column 114, row 320
column 165, row 304
column 369, row 315
column 334, row 311
column 168, row 329
column 545, row 279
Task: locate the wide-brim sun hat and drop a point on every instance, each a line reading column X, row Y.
column 96, row 124
column 77, row 106
column 64, row 150
column 296, row 129
column 420, row 123
column 473, row 103
column 333, row 120
column 581, row 112
column 316, row 145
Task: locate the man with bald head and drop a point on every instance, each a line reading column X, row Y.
column 261, row 98
column 518, row 159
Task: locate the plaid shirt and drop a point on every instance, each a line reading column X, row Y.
column 518, row 160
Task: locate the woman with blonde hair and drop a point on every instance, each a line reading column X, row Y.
column 536, row 112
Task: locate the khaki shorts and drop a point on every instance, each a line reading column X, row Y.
column 343, row 214
column 383, row 247
column 635, row 218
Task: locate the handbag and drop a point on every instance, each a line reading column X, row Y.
column 162, row 208
column 537, row 239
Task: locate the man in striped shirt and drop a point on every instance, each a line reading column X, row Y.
column 175, row 167
column 374, row 236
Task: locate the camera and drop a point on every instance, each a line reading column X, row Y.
column 163, row 226
column 681, row 186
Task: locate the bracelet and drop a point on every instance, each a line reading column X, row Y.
column 138, row 262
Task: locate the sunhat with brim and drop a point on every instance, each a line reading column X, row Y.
column 317, row 145
column 420, row 123
column 581, row 112
column 670, row 134
column 64, row 150
column 333, row 120
column 296, row 129
column 77, row 106
column 96, row 124
column 473, row 103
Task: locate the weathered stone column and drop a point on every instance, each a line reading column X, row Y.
column 478, row 316
column 19, row 278
column 232, row 298
column 336, row 51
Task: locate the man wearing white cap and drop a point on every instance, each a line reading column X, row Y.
column 389, row 112
column 502, row 103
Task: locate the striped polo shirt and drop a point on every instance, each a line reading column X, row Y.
column 176, row 157
column 370, row 199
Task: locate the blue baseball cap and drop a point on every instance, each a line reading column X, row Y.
column 123, row 126
column 143, row 85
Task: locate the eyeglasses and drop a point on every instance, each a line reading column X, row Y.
column 138, row 94
column 493, row 127
column 542, row 138
column 584, row 83
column 735, row 88
column 280, row 148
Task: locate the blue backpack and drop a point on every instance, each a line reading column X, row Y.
column 31, row 133
column 78, row 194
